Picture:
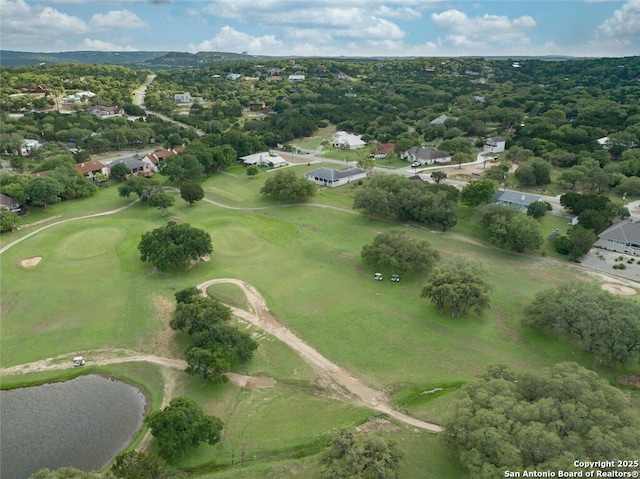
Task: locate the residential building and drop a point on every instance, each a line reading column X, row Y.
column 623, row 237
column 90, row 169
column 344, row 140
column 296, row 78
column 28, row 146
column 257, row 105
column 515, row 199
column 442, row 119
column 383, row 149
column 264, row 158
column 136, row 166
column 182, row 97
column 106, row 111
column 9, row 204
column 425, row 156
column 495, row 144
column 332, row 178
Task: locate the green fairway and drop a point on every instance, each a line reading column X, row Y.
column 91, row 291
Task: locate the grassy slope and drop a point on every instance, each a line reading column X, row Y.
column 91, row 291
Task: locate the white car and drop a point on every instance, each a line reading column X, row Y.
column 415, row 164
column 78, row 361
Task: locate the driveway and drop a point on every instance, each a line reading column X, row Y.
column 603, row 261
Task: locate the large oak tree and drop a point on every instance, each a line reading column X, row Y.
column 174, row 246
column 397, row 251
column 458, row 286
column 182, row 425
column 540, row 420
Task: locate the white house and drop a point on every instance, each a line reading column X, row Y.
column 495, row 144
column 78, row 97
column 296, row 78
column 27, row 147
column 264, row 158
column 182, row 97
column 332, row 178
column 343, row 139
column 233, row 76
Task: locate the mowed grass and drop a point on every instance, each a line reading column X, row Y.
column 91, row 291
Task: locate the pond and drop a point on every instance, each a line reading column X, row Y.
column 82, row 423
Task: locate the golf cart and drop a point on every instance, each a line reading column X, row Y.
column 395, row 278
column 377, row 277
column 78, row 361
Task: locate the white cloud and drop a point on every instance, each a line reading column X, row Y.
column 91, row 44
column 229, row 39
column 625, row 22
column 292, row 11
column 25, row 26
column 117, row 19
column 404, row 13
column 483, row 29
column 312, row 42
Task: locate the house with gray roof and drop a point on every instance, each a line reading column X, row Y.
column 515, row 199
column 332, row 178
column 426, row 156
column 495, row 144
column 136, row 166
column 442, row 119
column 623, row 237
column 9, row 204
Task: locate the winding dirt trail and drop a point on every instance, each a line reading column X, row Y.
column 353, row 390
column 104, row 357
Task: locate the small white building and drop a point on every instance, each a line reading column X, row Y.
column 27, row 147
column 332, row 178
column 264, row 158
column 344, row 140
column 495, row 144
column 296, row 78
column 78, row 97
column 182, row 97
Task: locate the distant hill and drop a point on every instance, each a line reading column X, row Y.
column 147, row 59
column 10, row 58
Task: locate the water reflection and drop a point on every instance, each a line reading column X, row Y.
column 82, row 423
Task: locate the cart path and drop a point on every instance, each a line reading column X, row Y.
column 104, row 357
column 353, row 390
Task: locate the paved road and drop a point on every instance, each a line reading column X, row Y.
column 139, row 100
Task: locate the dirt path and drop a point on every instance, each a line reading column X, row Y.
column 339, row 380
column 104, row 357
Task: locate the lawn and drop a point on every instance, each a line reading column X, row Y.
column 91, row 291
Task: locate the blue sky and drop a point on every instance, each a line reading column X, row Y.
column 326, row 27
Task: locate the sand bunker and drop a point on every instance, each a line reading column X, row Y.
column 619, row 289
column 31, row 262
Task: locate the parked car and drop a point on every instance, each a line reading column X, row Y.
column 78, row 361
column 415, row 164
column 377, row 277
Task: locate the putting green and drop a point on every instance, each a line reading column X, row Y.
column 91, row 242
column 235, row 241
